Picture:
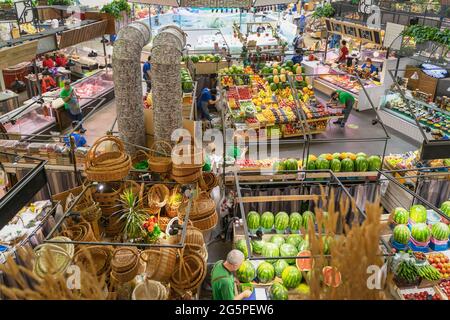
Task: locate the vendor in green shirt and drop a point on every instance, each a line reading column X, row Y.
column 344, row 100
column 222, row 278
column 72, row 103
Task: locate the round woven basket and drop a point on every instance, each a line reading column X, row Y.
column 150, row 290
column 125, row 263
column 207, row 223
column 158, row 195
column 91, row 213
column 160, row 160
column 140, row 156
column 52, row 259
column 202, row 207
column 160, row 263
column 162, row 222
column 172, row 208
column 95, row 258
column 80, row 232
column 190, row 178
column 189, row 273
column 194, row 236
column 108, row 166
column 208, row 181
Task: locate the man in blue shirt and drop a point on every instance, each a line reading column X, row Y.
column 369, row 67
column 298, row 58
column 206, row 99
column 146, row 71
column 79, row 139
column 302, row 23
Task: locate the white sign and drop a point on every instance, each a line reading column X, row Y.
column 392, row 36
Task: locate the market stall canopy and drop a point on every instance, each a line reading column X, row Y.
column 82, row 34
column 11, row 56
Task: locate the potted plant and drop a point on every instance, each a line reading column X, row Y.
column 152, row 231
column 133, row 216
column 117, row 8
column 6, row 4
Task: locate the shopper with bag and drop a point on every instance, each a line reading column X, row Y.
column 71, row 103
column 298, row 43
column 222, row 278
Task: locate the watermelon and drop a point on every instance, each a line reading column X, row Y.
column 246, row 272
column 270, row 250
column 278, row 167
column 327, row 240
column 303, row 289
column 288, row 250
column 201, row 57
column 401, row 234
column 440, row 231
column 309, row 164
column 304, row 264
column 336, row 155
column 295, row 222
column 273, row 86
column 265, row 272
column 217, row 58
column 241, row 245
column 331, row 276
column 277, row 239
column 281, row 222
column 335, row 165
column 400, row 215
column 291, row 165
column 194, row 59
column 279, row 266
column 420, row 232
column 257, row 246
column 304, row 244
column 291, row 277
column 361, row 164
column 267, row 220
column 278, row 292
column 347, row 165
column 418, row 213
column 307, row 217
column 374, row 163
column 361, row 154
column 294, row 239
column 253, row 219
column 445, row 207
column 322, row 164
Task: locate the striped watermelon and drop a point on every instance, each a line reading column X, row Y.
column 322, row 164
column 241, row 245
column 304, row 245
column 294, row 239
column 400, row 215
column 440, row 231
column 347, row 165
column 257, row 246
column 295, row 222
column 327, row 241
column 445, row 207
column 291, row 277
column 277, row 239
column 374, row 163
column 281, row 222
column 307, row 217
column 418, row 213
column 288, row 250
column 270, row 250
column 361, row 164
column 279, row 266
column 420, row 232
column 401, row 234
column 253, row 219
column 278, row 292
column 265, row 272
column 267, row 220
column 335, row 165
column 246, row 272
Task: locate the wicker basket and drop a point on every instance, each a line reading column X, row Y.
column 208, row 181
column 163, row 222
column 189, row 273
column 150, row 290
column 53, row 258
column 109, row 198
column 91, row 213
column 160, row 160
column 194, row 236
column 80, row 232
column 160, row 263
column 193, row 159
column 109, row 166
column 207, row 223
column 114, row 225
column 95, row 258
column 140, row 156
column 158, row 196
column 189, row 178
column 172, row 208
column 125, row 264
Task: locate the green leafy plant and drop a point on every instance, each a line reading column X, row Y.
column 60, row 2
column 421, row 34
column 116, row 7
column 325, row 11
column 133, row 216
column 6, row 3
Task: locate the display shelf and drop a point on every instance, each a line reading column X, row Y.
column 267, row 176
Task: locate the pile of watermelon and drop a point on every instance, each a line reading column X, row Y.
column 187, row 84
column 282, row 222
column 285, row 166
column 343, row 162
column 205, row 58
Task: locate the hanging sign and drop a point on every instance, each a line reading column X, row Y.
column 354, row 30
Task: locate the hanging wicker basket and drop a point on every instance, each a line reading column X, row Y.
column 160, row 263
column 159, row 159
column 108, row 166
column 194, row 236
column 80, row 232
column 150, row 290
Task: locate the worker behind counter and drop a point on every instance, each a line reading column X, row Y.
column 369, row 68
column 78, row 136
column 222, row 277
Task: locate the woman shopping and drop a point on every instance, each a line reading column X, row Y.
column 71, row 103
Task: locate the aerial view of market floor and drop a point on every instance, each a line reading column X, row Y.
column 267, row 150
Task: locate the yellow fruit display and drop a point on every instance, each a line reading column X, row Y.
column 276, row 79
column 298, row 70
column 283, row 78
column 283, row 71
column 275, row 65
column 275, row 71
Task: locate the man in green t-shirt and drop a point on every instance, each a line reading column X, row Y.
column 222, row 278
column 344, row 100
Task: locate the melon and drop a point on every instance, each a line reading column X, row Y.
column 335, row 165
column 281, row 221
column 291, row 165
column 400, row 215
column 304, row 264
column 374, row 163
column 267, row 220
column 241, row 245
column 294, row 239
column 361, row 164
column 279, row 266
column 277, row 239
column 291, row 277
column 303, row 289
column 295, row 222
column 257, row 246
column 278, row 292
column 246, row 272
column 420, row 232
column 347, row 165
column 418, row 213
column 440, row 231
column 253, row 220
column 308, row 219
column 265, row 272
column 445, row 207
column 288, row 250
column 270, row 250
column 401, row 234
column 331, row 276
column 322, row 164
